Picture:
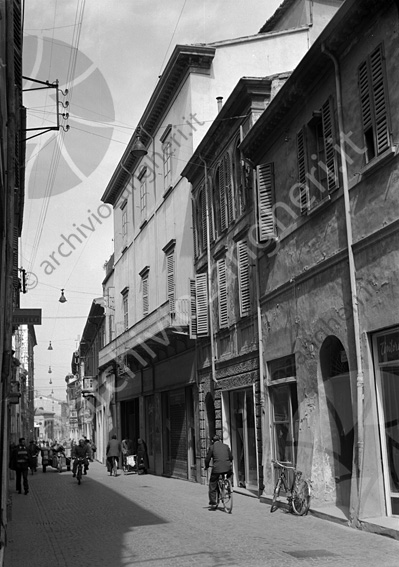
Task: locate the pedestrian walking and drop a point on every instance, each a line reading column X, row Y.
column 142, row 457
column 33, row 451
column 45, row 454
column 113, row 452
column 21, row 461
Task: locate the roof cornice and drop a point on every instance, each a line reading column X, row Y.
column 184, row 59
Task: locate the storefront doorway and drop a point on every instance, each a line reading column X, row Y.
column 386, row 361
column 337, row 389
column 240, row 433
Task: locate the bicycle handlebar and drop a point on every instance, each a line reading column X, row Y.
column 283, row 465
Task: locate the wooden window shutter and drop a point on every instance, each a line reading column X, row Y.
column 266, row 221
column 222, row 196
column 327, row 113
column 145, row 295
column 222, row 293
column 203, row 219
column 201, row 297
column 380, row 103
column 193, row 310
column 302, row 170
column 229, row 190
column 243, row 278
column 170, row 267
column 195, row 227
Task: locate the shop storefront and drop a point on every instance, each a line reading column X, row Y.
column 386, row 367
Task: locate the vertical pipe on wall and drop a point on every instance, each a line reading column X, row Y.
column 352, row 276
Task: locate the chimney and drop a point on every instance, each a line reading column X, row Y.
column 220, row 102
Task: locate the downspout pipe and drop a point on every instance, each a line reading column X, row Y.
column 352, row 276
column 209, row 259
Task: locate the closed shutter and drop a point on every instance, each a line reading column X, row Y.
column 243, row 278
column 265, row 201
column 301, row 159
column 329, row 143
column 145, row 295
column 202, row 304
column 222, row 293
column 222, row 196
column 193, row 310
column 203, row 219
column 178, row 434
column 170, row 266
column 229, row 190
column 195, row 228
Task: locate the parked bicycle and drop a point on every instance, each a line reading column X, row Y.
column 298, row 492
column 225, row 493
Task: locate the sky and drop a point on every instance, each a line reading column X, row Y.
column 109, row 54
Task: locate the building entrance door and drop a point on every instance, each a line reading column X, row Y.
column 240, row 409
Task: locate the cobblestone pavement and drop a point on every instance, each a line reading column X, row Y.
column 153, row 521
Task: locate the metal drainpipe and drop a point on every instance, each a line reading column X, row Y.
column 208, row 253
column 352, row 275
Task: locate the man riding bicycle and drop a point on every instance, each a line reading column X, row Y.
column 222, row 463
column 80, row 451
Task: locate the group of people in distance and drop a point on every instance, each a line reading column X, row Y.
column 127, row 448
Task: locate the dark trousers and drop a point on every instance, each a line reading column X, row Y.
column 75, row 465
column 213, row 486
column 110, row 463
column 24, row 474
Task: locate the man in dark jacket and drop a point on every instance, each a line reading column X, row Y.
column 21, row 465
column 222, row 463
column 80, row 451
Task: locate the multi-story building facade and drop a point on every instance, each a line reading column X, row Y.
column 24, row 342
column 325, row 151
column 12, row 164
column 152, row 358
column 226, row 284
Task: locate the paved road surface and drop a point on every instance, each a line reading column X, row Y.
column 149, row 521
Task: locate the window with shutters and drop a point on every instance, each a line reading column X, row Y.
column 167, row 163
column 124, row 218
column 265, row 212
column 374, row 104
column 144, row 290
column 201, row 304
column 225, row 194
column 170, row 279
column 317, row 158
column 143, row 194
column 222, row 293
column 243, row 278
column 125, row 308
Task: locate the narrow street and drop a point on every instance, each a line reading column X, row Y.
column 159, row 522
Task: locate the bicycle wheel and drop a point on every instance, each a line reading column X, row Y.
column 227, row 496
column 79, row 474
column 301, row 498
column 276, row 494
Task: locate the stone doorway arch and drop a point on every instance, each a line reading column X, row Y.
column 337, row 389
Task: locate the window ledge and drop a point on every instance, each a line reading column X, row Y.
column 320, row 204
column 378, row 161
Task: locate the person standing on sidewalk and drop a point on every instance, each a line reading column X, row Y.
column 222, row 463
column 21, row 461
column 45, row 454
column 33, row 451
column 113, row 452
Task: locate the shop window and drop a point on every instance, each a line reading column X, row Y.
column 386, row 360
column 284, row 406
